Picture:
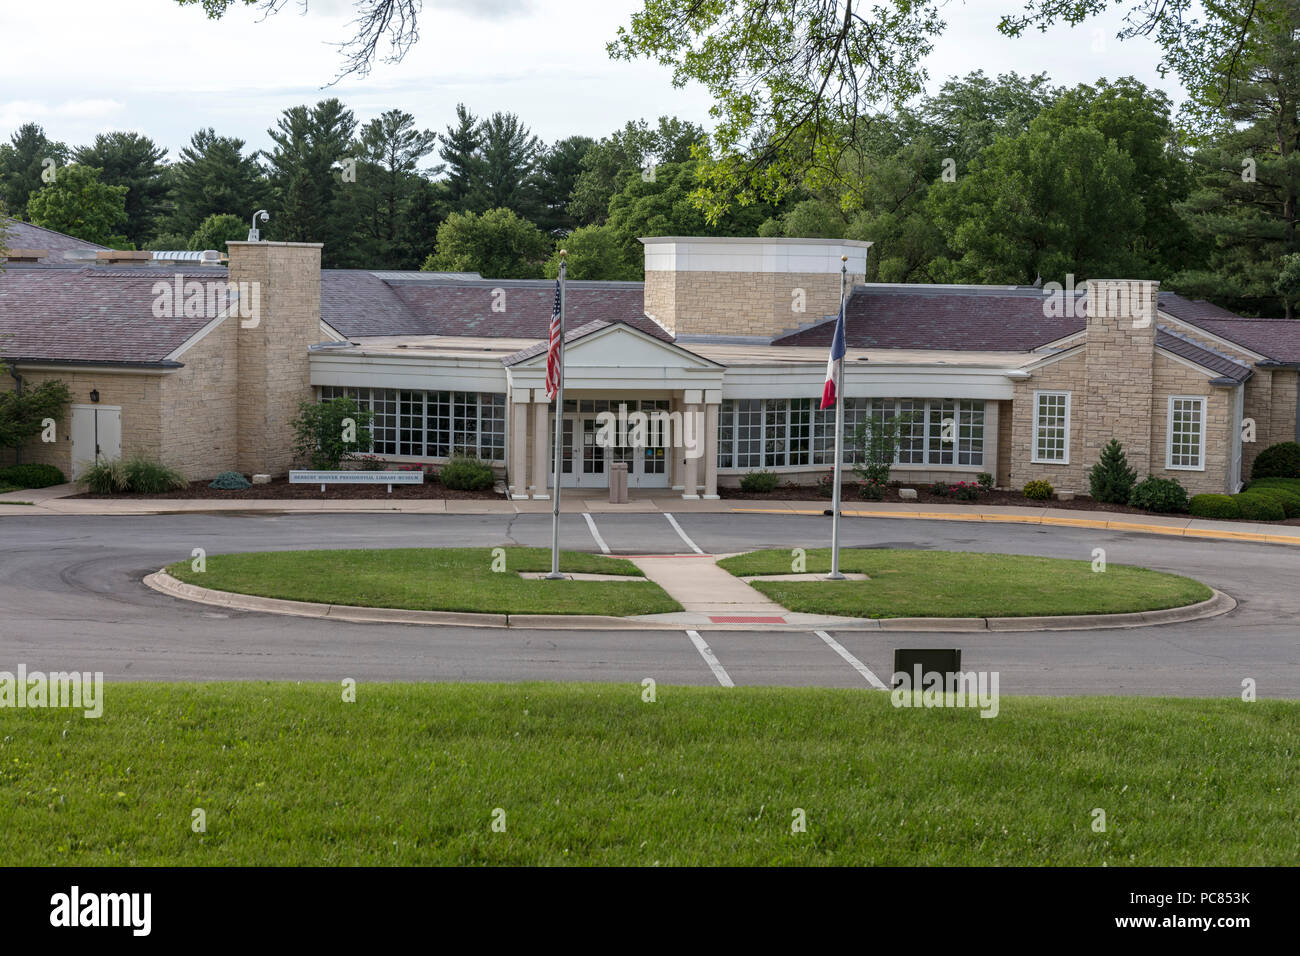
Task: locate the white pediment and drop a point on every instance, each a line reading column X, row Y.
column 621, row 346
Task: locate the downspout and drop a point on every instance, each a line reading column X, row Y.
column 18, row 390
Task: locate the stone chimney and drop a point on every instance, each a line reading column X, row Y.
column 1120, row 362
column 279, row 320
column 708, row 286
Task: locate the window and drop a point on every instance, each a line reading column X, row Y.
column 1051, row 427
column 778, row 432
column 1186, row 446
column 431, row 424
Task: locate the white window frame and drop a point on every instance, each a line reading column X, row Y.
column 1203, row 402
column 1033, row 451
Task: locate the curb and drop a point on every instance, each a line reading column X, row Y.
column 161, row 581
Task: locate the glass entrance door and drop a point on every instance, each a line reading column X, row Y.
column 589, row 451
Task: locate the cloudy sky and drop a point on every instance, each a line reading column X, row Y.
column 86, row 66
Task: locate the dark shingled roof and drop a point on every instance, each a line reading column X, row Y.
column 23, row 235
column 1012, row 319
column 90, row 315
column 465, row 307
column 1214, row 361
column 1278, row 339
column 966, row 318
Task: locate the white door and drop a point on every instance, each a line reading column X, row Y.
column 96, row 436
column 586, row 462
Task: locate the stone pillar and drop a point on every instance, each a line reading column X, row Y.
column 542, row 450
column 278, row 321
column 691, row 485
column 519, row 442
column 711, row 447
column 1120, row 367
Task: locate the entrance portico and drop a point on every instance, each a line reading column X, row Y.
column 630, row 398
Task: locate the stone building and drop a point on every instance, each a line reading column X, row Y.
column 203, row 367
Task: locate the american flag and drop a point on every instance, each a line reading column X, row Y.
column 553, row 349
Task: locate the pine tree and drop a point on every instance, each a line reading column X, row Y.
column 1248, row 201
column 460, row 155
column 1111, row 479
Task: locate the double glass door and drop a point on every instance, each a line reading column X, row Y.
column 593, row 442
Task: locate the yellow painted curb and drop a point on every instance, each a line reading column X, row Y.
column 1103, row 525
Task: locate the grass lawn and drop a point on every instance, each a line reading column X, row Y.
column 433, row 579
column 289, row 774
column 953, row 584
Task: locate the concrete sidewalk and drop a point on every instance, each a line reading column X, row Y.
column 57, row 501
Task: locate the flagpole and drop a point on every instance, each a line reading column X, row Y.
column 840, row 398
column 555, row 574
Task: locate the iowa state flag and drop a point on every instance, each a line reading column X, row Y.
column 835, row 362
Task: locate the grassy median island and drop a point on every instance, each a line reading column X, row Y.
column 289, row 774
column 433, row 579
column 958, row 584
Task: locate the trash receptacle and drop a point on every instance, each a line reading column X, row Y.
column 618, row 483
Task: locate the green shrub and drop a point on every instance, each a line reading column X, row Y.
column 1214, row 506
column 759, row 482
column 872, row 490
column 1260, row 507
column 1289, row 484
column 939, row 489
column 1277, row 461
column 1111, row 479
column 147, row 477
column 106, row 477
column 985, row 480
column 1158, row 494
column 1288, row 499
column 1038, row 490
column 31, row 476
column 330, row 432
column 230, row 481
column 463, row 473
column 965, row 491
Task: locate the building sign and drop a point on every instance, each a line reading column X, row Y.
column 324, row 478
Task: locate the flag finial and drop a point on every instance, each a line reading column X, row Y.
column 564, row 253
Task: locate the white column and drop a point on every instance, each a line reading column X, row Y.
column 677, row 480
column 691, row 486
column 543, row 450
column 519, row 442
column 711, row 450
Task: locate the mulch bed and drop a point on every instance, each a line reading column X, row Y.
column 850, row 499
column 280, row 489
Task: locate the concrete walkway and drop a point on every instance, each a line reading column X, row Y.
column 57, row 501
column 702, row 588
